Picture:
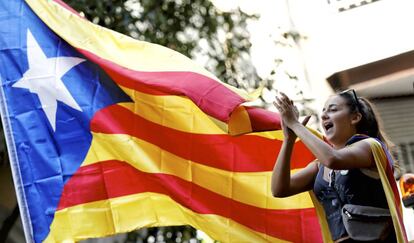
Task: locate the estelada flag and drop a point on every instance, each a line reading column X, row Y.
column 107, row 134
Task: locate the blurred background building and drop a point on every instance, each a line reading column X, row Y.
column 367, row 46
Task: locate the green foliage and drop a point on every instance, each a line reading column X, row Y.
column 195, row 28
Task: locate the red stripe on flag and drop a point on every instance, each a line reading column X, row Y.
column 263, row 120
column 239, row 154
column 397, row 199
column 211, row 96
column 110, row 179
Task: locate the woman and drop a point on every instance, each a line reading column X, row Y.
column 344, row 171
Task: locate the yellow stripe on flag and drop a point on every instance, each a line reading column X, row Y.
column 380, row 158
column 177, row 112
column 180, row 113
column 118, row 215
column 240, row 186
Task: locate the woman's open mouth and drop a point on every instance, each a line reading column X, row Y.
column 327, row 126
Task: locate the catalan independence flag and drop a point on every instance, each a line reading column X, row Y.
column 107, row 134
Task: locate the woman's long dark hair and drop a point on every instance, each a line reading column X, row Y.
column 370, row 123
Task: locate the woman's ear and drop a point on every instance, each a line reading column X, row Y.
column 356, row 117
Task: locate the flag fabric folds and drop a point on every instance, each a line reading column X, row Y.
column 386, row 172
column 107, row 134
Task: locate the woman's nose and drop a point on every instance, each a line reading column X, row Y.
column 324, row 116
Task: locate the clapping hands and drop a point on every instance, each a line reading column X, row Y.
column 289, row 114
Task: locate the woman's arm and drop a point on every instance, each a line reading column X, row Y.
column 356, row 156
column 283, row 184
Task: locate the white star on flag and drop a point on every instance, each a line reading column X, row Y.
column 44, row 79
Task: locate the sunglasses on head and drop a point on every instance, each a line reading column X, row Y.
column 354, row 98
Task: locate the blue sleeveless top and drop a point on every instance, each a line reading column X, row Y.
column 346, row 187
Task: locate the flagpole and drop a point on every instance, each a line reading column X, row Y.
column 14, row 165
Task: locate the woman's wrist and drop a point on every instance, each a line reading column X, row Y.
column 289, row 141
column 291, row 138
column 295, row 125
